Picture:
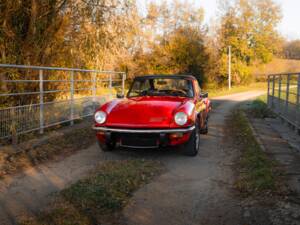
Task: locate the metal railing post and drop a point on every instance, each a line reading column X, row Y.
column 279, row 92
column 110, row 84
column 41, row 82
column 72, row 97
column 273, row 91
column 298, row 105
column 287, row 93
column 94, row 89
column 123, row 83
column 268, row 95
column 110, row 81
column 18, row 119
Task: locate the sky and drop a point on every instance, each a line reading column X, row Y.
column 289, row 26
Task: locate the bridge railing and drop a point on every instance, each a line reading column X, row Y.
column 284, row 97
column 33, row 98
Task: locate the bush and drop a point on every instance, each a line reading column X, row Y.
column 259, row 109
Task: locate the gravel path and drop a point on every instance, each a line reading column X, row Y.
column 193, row 191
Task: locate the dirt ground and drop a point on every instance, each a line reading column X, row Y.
column 193, row 190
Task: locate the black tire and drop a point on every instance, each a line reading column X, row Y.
column 205, row 129
column 107, row 147
column 192, row 146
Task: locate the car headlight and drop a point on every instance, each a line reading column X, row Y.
column 100, row 117
column 180, row 118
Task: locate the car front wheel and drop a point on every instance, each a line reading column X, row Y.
column 106, row 147
column 192, row 146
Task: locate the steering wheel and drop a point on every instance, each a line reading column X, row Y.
column 144, row 93
column 178, row 92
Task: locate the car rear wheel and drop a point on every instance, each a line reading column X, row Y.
column 192, row 146
column 107, row 147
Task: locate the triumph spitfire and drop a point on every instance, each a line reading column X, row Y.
column 158, row 111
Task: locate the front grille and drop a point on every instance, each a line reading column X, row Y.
column 139, row 140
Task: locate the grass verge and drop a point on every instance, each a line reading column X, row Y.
column 257, row 172
column 100, row 198
column 215, row 92
column 32, row 152
column 259, row 108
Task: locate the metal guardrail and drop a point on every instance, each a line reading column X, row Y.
column 284, row 97
column 74, row 94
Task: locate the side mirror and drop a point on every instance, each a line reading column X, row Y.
column 204, row 95
column 119, row 95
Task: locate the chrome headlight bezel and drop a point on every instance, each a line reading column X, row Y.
column 181, row 118
column 100, row 117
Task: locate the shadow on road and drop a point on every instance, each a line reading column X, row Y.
column 29, row 191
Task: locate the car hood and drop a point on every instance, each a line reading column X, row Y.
column 142, row 112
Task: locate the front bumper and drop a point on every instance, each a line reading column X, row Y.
column 143, row 131
column 143, row 138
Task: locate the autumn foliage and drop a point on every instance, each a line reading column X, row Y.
column 166, row 37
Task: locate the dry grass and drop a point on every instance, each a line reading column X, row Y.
column 237, row 89
column 100, row 198
column 278, row 66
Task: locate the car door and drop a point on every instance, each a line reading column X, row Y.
column 201, row 106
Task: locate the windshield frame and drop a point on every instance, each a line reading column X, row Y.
column 160, row 77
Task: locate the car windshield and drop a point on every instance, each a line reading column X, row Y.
column 162, row 87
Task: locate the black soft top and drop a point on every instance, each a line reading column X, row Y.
column 189, row 77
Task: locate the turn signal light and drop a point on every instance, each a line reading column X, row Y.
column 176, row 135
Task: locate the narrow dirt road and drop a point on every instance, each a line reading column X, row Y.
column 193, row 191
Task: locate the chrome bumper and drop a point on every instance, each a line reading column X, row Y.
column 143, row 131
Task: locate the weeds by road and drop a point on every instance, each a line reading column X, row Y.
column 259, row 108
column 268, row 191
column 257, row 172
column 99, row 198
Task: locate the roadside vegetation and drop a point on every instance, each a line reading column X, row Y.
column 215, row 92
column 99, row 198
column 278, row 65
column 258, row 108
column 257, row 172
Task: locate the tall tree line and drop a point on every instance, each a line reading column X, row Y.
column 292, row 50
column 169, row 37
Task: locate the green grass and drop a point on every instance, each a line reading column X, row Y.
column 259, row 108
column 256, row 171
column 214, row 92
column 99, row 198
column 292, row 95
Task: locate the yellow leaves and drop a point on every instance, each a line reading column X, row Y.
column 249, row 27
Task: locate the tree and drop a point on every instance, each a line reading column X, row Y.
column 182, row 52
column 173, row 36
column 29, row 30
column 67, row 33
column 103, row 31
column 292, row 49
column 249, row 27
column 30, row 33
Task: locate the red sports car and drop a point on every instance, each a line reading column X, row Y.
column 159, row 110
